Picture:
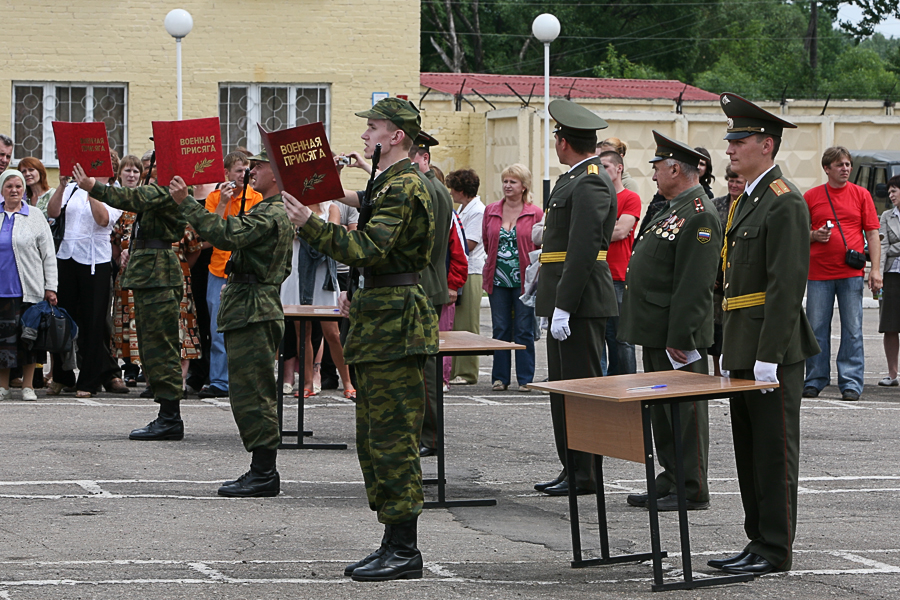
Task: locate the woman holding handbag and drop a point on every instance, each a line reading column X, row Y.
column 28, row 276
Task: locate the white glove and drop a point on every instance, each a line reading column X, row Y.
column 764, row 371
column 721, row 369
column 545, row 323
column 559, row 327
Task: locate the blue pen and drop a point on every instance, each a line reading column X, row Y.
column 647, row 387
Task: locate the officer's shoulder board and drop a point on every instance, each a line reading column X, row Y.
column 593, row 170
column 698, row 205
column 779, row 187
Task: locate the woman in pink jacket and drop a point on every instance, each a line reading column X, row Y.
column 506, row 232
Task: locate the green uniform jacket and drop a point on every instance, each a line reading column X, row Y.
column 161, row 220
column 768, row 251
column 668, row 300
column 261, row 245
column 580, row 218
column 434, row 276
column 386, row 323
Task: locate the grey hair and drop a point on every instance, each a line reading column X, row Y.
column 690, row 171
column 6, row 140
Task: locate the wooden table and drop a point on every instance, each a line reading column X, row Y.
column 304, row 314
column 457, row 343
column 604, row 418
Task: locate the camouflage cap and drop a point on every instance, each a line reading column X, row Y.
column 669, row 148
column 746, row 119
column 398, row 111
column 263, row 156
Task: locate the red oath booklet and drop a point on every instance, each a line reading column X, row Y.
column 302, row 163
column 191, row 149
column 85, row 144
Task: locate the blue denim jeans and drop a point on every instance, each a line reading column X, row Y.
column 820, row 297
column 620, row 358
column 512, row 321
column 218, row 360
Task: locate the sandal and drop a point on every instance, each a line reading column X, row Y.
column 82, row 394
column 350, row 394
column 54, row 388
column 307, row 393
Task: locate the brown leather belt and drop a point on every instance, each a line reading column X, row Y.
column 242, row 278
column 151, row 245
column 392, row 280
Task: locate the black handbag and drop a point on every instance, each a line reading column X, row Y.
column 853, row 258
column 54, row 334
column 58, row 226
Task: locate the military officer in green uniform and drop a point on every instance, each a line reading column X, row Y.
column 766, row 335
column 434, row 277
column 575, row 287
column 668, row 309
column 154, row 276
column 251, row 318
column 393, row 327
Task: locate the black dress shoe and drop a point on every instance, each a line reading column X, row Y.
column 548, row 484
column 810, row 392
column 401, row 558
column 562, row 489
column 721, row 563
column 670, row 502
column 348, row 570
column 641, row 500
column 753, row 564
column 212, row 391
column 426, row 451
column 850, row 395
column 161, row 428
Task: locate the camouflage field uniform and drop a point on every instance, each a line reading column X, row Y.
column 155, row 277
column 391, row 331
column 250, row 315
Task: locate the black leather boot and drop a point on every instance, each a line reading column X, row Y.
column 261, row 481
column 348, row 570
column 401, row 559
column 166, row 426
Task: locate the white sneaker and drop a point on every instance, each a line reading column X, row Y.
column 446, row 388
column 458, row 380
column 287, row 389
column 4, row 393
column 28, row 394
column 523, row 388
column 888, row 382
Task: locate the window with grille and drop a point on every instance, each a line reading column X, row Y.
column 275, row 107
column 37, row 105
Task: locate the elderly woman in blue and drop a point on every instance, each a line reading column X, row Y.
column 28, row 275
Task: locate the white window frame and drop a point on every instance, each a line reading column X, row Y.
column 254, row 143
column 48, row 154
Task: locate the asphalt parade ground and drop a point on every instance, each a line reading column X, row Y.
column 86, row 513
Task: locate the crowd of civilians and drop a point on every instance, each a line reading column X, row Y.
column 81, row 273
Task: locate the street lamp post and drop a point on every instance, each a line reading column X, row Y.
column 178, row 24
column 545, row 28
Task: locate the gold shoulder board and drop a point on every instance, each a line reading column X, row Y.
column 779, row 187
column 593, row 170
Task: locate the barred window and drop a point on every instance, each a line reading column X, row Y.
column 243, row 105
column 37, row 104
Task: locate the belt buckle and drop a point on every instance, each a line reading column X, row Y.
column 725, row 304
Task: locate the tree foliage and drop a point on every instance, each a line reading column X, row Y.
column 758, row 48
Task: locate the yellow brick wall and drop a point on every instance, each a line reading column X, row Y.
column 339, row 42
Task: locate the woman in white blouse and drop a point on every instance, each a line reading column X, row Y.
column 85, row 273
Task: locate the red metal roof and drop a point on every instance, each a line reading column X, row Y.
column 574, row 87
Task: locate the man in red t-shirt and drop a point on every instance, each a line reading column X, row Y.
column 618, row 356
column 839, row 212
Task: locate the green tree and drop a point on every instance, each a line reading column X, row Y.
column 619, row 67
column 859, row 73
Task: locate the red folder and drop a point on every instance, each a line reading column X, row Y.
column 302, row 163
column 83, row 143
column 191, row 149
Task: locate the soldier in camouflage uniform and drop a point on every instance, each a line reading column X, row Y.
column 392, row 328
column 154, row 275
column 252, row 319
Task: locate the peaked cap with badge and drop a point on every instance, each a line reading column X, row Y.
column 398, row 111
column 746, row 118
column 669, row 148
column 425, row 140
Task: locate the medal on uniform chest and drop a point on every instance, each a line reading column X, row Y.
column 671, row 236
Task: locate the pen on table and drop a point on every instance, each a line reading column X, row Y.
column 646, row 387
